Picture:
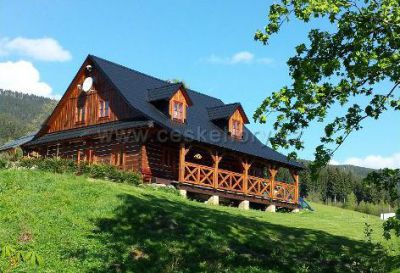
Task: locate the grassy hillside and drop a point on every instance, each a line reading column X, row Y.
column 21, row 113
column 82, row 225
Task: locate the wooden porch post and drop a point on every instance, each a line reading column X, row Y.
column 246, row 166
column 79, row 156
column 295, row 176
column 217, row 158
column 182, row 155
column 58, row 150
column 273, row 170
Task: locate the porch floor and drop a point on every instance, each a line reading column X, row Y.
column 233, row 195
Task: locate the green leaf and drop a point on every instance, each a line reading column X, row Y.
column 32, row 258
column 7, row 251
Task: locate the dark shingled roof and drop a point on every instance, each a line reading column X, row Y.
column 134, row 87
column 164, row 92
column 224, row 111
column 90, row 130
column 17, row 142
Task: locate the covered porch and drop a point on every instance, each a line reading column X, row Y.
column 234, row 175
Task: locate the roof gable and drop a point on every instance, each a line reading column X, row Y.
column 226, row 111
column 167, row 91
column 64, row 115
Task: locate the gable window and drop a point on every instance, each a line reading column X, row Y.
column 104, row 108
column 80, row 114
column 177, row 111
column 237, row 128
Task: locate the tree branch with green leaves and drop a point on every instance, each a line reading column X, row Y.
column 334, row 68
column 388, row 180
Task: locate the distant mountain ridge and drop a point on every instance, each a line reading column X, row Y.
column 21, row 113
column 356, row 170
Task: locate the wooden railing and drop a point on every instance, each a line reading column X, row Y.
column 230, row 181
column 199, row 175
column 259, row 186
column 237, row 182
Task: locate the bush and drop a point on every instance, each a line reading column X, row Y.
column 12, row 155
column 3, row 163
column 351, row 201
column 54, row 165
column 111, row 173
column 370, row 208
column 314, row 196
column 98, row 170
column 131, row 178
column 59, row 165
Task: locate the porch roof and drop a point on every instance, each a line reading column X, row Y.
column 87, row 131
column 17, row 142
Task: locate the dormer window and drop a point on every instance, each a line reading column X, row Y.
column 236, row 124
column 177, row 112
column 171, row 99
column 178, row 106
column 230, row 118
column 237, row 128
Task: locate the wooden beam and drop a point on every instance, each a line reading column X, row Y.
column 58, row 150
column 246, row 166
column 295, row 176
column 272, row 170
column 79, row 156
column 182, row 155
column 217, row 159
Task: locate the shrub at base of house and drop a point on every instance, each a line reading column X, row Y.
column 59, row 165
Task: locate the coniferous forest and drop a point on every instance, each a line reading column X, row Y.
column 21, row 113
column 343, row 186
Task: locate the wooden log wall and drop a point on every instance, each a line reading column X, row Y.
column 160, row 160
column 96, row 150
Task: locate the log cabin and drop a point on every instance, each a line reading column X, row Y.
column 170, row 134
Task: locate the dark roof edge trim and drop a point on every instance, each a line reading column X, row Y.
column 88, row 131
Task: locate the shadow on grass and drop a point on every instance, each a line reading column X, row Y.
column 151, row 234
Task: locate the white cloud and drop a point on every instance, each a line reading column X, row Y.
column 334, row 162
column 22, row 76
column 375, row 161
column 44, row 49
column 238, row 58
column 242, row 57
column 265, row 60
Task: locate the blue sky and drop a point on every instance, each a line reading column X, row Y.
column 208, row 44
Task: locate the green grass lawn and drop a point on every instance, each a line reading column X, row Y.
column 81, row 225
